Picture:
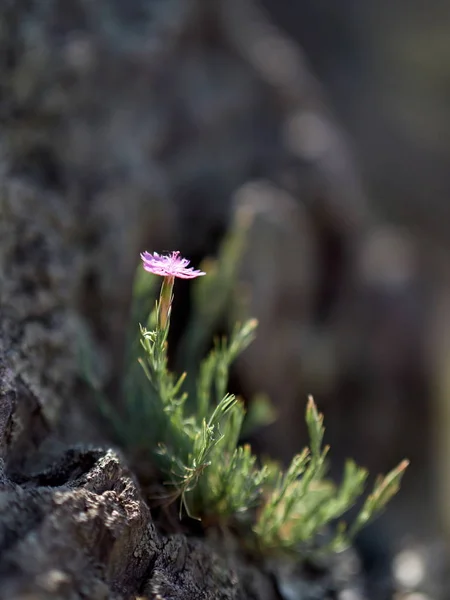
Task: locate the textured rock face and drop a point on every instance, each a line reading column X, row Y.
column 78, row 529
column 81, row 529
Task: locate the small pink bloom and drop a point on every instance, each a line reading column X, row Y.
column 172, row 265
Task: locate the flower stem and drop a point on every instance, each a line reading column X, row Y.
column 165, row 303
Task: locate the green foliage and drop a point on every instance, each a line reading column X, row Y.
column 302, row 501
column 190, row 426
column 189, row 443
column 214, row 297
column 220, row 481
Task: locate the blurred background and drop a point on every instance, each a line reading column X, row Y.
column 154, row 124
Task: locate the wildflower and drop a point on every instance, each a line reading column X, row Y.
column 169, row 267
column 172, row 265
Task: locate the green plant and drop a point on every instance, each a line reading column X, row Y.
column 197, row 448
column 190, row 426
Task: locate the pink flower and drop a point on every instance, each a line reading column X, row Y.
column 172, row 265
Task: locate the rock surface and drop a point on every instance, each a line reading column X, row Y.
column 81, row 529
